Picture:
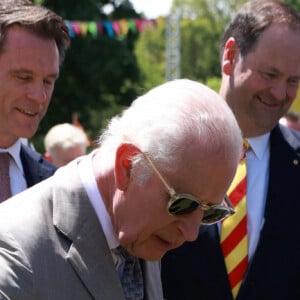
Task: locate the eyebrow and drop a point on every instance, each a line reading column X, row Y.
column 297, row 77
column 29, row 72
column 272, row 70
column 276, row 71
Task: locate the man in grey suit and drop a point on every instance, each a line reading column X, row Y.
column 33, row 41
column 138, row 190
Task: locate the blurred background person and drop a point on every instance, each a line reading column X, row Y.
column 291, row 119
column 63, row 143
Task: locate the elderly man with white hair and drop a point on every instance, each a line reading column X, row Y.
column 161, row 170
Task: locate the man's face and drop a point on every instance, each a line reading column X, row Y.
column 141, row 219
column 29, row 66
column 262, row 85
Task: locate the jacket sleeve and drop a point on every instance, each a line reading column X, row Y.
column 16, row 280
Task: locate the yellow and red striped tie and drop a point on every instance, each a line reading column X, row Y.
column 234, row 240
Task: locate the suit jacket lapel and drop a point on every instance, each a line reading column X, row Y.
column 214, row 259
column 284, row 173
column 92, row 261
column 35, row 167
column 89, row 254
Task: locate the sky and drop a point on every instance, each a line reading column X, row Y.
column 152, row 8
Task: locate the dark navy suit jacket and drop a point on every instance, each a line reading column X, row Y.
column 36, row 168
column 197, row 269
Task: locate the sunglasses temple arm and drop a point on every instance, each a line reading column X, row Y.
column 170, row 190
column 228, row 203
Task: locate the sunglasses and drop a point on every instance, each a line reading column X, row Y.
column 183, row 204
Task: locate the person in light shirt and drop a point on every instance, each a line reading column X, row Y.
column 291, row 119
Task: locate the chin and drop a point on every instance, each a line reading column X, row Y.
column 151, row 255
column 26, row 134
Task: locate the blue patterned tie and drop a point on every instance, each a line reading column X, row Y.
column 131, row 277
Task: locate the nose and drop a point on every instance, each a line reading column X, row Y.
column 279, row 90
column 189, row 225
column 37, row 92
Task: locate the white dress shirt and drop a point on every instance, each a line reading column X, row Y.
column 258, row 159
column 16, row 172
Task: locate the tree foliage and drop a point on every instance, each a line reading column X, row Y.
column 151, row 57
column 201, row 28
column 99, row 75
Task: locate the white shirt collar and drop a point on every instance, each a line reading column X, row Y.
column 259, row 145
column 14, row 151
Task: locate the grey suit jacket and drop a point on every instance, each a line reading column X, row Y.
column 52, row 246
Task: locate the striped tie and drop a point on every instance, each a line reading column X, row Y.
column 234, row 240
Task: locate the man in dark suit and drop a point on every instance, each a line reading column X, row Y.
column 260, row 80
column 33, row 41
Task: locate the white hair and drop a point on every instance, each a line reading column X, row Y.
column 64, row 136
column 167, row 119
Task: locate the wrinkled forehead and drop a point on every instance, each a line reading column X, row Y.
column 277, row 52
column 204, row 176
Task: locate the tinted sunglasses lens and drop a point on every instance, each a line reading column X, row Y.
column 214, row 215
column 182, row 206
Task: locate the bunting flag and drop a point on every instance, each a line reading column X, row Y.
column 111, row 28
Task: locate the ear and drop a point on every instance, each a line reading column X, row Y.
column 230, row 54
column 123, row 164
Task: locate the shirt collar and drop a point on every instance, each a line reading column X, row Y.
column 86, row 173
column 14, row 151
column 259, row 144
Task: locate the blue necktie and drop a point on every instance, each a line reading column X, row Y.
column 131, row 277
